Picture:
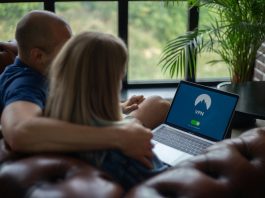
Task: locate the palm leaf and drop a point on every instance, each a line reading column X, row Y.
column 183, row 50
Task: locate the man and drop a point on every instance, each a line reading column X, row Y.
column 23, row 87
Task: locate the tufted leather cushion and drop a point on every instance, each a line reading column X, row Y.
column 232, row 168
column 52, row 176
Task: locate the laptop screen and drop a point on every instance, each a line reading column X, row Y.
column 201, row 110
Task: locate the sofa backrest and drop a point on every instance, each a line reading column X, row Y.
column 8, row 52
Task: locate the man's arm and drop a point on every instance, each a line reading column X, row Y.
column 25, row 130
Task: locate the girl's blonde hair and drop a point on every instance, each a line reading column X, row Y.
column 85, row 79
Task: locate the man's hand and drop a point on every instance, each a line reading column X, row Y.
column 135, row 142
column 131, row 104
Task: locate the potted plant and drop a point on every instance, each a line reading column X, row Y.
column 235, row 35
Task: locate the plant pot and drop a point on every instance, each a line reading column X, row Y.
column 240, row 119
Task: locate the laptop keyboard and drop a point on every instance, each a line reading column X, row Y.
column 180, row 141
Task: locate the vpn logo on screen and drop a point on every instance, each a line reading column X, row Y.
column 202, row 103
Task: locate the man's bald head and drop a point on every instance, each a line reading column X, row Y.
column 40, row 29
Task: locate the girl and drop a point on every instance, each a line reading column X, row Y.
column 85, row 84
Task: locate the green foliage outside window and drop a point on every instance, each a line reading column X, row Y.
column 151, row 26
column 10, row 13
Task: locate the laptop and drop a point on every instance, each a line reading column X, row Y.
column 198, row 117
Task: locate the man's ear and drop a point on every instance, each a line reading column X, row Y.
column 37, row 56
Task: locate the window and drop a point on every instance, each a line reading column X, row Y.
column 146, row 26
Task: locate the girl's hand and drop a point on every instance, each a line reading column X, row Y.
column 131, row 104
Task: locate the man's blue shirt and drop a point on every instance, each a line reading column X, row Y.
column 19, row 82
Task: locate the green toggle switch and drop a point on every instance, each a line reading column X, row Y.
column 195, row 123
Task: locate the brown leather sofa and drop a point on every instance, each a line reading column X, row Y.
column 232, row 168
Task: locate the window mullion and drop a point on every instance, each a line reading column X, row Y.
column 49, row 5
column 193, row 23
column 123, row 28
